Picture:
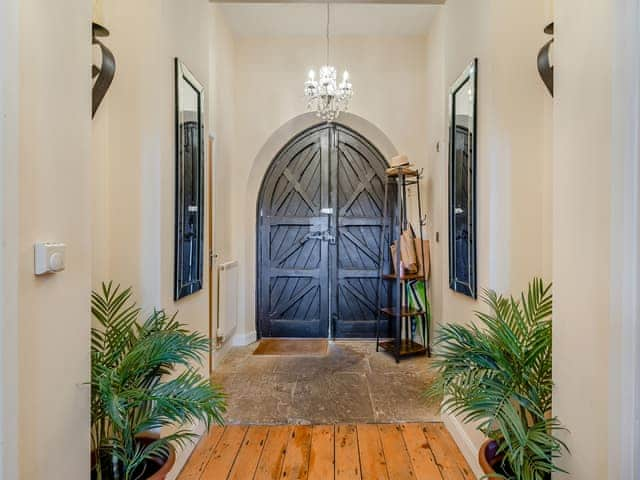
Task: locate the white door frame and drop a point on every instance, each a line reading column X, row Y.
column 9, row 150
column 211, row 253
column 624, row 358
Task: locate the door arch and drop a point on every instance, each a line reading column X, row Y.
column 319, row 218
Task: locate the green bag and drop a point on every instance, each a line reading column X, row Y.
column 417, row 298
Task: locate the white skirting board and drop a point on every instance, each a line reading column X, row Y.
column 227, row 299
column 237, row 340
column 467, row 446
column 183, row 455
column 219, row 353
column 242, row 339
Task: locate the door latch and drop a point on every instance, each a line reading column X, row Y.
column 324, row 236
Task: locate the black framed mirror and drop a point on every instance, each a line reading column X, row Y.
column 462, row 182
column 189, row 227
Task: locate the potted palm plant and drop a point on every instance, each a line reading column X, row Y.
column 497, row 373
column 144, row 377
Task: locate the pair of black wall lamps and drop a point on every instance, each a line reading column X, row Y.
column 106, row 71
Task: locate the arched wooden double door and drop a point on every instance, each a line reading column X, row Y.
column 319, row 225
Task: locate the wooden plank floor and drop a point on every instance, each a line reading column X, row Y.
column 416, row 451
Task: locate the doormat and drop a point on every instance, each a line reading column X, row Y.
column 292, row 347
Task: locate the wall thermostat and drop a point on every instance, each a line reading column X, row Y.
column 49, row 257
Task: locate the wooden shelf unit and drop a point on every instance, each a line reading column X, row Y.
column 395, row 306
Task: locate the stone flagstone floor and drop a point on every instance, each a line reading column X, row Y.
column 352, row 384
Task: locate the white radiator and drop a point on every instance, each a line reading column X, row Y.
column 227, row 300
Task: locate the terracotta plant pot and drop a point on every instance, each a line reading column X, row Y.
column 488, row 456
column 168, row 464
column 164, row 468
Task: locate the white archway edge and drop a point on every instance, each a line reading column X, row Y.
column 275, row 143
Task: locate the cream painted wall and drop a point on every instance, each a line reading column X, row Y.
column 139, row 163
column 223, row 126
column 582, row 234
column 54, row 204
column 436, row 164
column 513, row 151
column 133, row 147
column 270, row 72
column 133, row 150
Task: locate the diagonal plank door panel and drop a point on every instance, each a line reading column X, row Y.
column 327, row 182
column 293, row 266
column 357, row 195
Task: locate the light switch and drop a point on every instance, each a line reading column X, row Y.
column 49, row 257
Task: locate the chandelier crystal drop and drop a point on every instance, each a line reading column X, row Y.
column 324, row 95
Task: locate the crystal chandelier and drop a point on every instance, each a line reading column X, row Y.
column 324, row 95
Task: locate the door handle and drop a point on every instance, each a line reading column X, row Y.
column 324, row 236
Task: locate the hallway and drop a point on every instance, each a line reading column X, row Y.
column 351, row 384
column 153, row 145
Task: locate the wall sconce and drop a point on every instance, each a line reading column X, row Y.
column 545, row 68
column 103, row 74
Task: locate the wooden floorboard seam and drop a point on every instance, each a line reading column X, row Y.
column 384, row 454
column 255, row 471
column 237, row 453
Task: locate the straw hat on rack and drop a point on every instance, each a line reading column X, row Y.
column 399, row 161
column 400, row 165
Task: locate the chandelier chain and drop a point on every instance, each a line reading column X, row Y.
column 328, row 31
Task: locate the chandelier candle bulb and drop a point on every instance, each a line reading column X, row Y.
column 325, row 96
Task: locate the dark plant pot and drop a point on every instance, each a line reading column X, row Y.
column 488, row 457
column 160, row 469
column 491, row 462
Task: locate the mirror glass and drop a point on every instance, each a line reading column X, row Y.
column 189, row 183
column 462, row 162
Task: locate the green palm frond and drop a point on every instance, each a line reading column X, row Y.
column 498, row 373
column 144, row 377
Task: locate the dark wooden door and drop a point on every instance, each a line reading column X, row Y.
column 319, row 223
column 358, row 195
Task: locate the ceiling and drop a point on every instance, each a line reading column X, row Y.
column 283, row 19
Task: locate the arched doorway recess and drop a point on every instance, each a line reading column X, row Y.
column 318, row 236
